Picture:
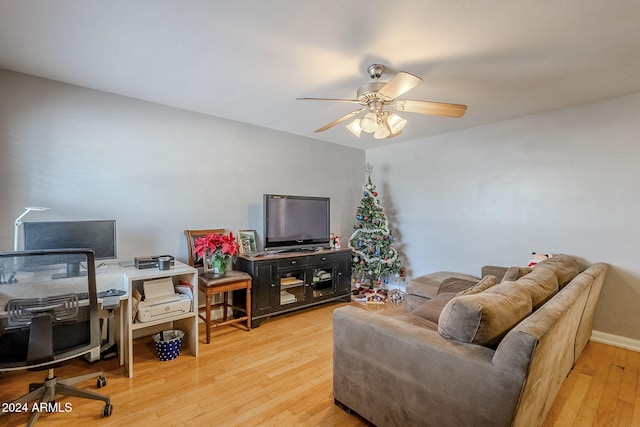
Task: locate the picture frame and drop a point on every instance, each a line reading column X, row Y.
column 247, row 241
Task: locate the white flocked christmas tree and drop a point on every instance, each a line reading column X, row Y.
column 375, row 258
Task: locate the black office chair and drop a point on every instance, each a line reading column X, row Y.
column 46, row 321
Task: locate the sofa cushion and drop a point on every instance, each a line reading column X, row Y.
column 414, row 320
column 484, row 318
column 431, row 309
column 428, row 285
column 541, row 284
column 456, row 284
column 482, row 285
column 564, row 266
column 514, row 273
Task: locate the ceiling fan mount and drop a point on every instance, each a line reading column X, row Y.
column 376, row 95
column 370, row 91
column 375, row 70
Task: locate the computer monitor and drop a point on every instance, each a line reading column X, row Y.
column 97, row 235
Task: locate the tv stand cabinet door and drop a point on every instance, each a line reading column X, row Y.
column 321, row 286
column 264, row 288
column 344, row 272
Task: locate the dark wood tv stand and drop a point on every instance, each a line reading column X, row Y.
column 291, row 281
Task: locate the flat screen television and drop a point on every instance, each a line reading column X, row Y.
column 295, row 222
column 97, row 235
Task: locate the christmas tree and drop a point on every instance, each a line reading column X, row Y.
column 374, row 255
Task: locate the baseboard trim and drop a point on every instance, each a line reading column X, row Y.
column 615, row 340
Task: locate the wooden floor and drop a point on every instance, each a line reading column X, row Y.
column 603, row 389
column 280, row 374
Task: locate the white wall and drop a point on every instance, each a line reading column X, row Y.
column 156, row 170
column 566, row 181
column 562, row 182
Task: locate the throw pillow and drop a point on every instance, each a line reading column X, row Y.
column 483, row 285
column 541, row 284
column 486, row 317
column 514, row 273
column 564, row 266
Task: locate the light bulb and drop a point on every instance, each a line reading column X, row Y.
column 369, row 123
column 396, row 123
column 382, row 131
column 354, row 127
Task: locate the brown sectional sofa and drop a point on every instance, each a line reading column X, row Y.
column 494, row 356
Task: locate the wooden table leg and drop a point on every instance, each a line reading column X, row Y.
column 225, row 304
column 208, row 315
column 248, row 309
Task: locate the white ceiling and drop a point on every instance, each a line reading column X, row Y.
column 247, row 60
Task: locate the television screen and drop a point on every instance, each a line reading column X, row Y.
column 295, row 221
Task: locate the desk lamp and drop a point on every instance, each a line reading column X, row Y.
column 18, row 223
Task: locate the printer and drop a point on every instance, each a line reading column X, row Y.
column 162, row 301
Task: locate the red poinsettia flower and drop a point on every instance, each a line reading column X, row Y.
column 215, row 243
column 229, row 245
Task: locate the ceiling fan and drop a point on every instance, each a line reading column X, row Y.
column 375, row 96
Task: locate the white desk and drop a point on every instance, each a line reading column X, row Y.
column 131, row 328
column 112, row 276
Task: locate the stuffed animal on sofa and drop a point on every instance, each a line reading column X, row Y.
column 536, row 258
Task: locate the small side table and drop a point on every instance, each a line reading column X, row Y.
column 231, row 281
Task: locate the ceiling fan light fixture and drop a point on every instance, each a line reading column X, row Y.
column 382, row 131
column 377, row 98
column 369, row 122
column 395, row 123
column 399, row 104
column 354, row 127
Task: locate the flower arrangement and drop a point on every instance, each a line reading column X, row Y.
column 215, row 251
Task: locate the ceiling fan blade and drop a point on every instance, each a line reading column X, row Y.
column 399, row 84
column 427, row 107
column 350, row 101
column 340, row 120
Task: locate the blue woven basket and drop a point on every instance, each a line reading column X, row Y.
column 168, row 344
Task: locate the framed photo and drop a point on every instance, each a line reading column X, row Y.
column 247, row 241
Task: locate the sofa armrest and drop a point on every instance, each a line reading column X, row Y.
column 432, row 381
column 428, row 285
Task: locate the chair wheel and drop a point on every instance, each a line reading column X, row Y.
column 107, row 410
column 101, row 382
